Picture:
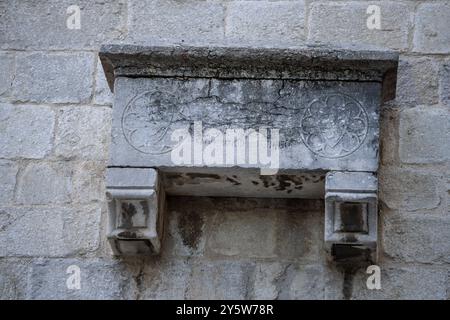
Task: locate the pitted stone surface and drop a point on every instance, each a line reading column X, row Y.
column 276, row 21
column 431, row 32
column 53, row 77
column 8, row 174
column 7, row 71
column 346, row 21
column 83, row 132
column 99, row 279
column 48, row 231
column 27, row 130
column 42, row 25
column 53, row 180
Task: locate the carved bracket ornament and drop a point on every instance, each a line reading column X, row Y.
column 246, row 122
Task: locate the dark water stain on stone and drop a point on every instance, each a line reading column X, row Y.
column 5, row 220
column 175, row 178
column 190, row 226
column 128, row 235
column 233, row 181
column 203, row 176
column 128, row 211
column 190, row 178
column 283, row 183
column 349, row 275
column 287, row 183
column 349, row 260
column 144, row 207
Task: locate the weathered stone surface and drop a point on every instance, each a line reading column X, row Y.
column 346, row 22
column 190, row 21
column 8, row 173
column 287, row 281
column 418, row 80
column 164, row 279
column 82, row 229
column 26, row 131
column 306, row 282
column 100, row 279
column 283, row 109
column 389, row 135
column 398, row 282
column 424, row 135
column 14, row 275
column 83, row 133
column 300, row 230
column 219, row 280
column 265, row 284
column 88, row 181
column 448, row 286
column 7, row 72
column 444, row 83
column 310, row 62
column 187, row 221
column 132, row 178
column 242, row 234
column 448, row 193
column 44, row 231
column 341, row 181
column 261, row 21
column 103, row 94
column 44, row 183
column 290, row 227
column 431, row 29
column 31, row 232
column 230, row 183
column 54, row 77
column 408, row 189
column 416, row 238
column 43, row 24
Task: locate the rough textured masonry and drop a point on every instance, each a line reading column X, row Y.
column 55, row 129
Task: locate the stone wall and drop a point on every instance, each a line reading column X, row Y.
column 55, row 114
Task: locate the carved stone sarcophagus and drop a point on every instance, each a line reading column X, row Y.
column 246, row 122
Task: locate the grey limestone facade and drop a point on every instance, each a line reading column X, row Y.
column 96, row 203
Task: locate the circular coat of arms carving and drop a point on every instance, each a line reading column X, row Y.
column 146, row 121
column 334, row 125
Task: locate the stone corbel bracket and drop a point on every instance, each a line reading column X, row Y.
column 324, row 101
column 351, row 212
column 136, row 205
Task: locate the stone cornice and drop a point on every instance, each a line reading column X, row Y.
column 293, row 63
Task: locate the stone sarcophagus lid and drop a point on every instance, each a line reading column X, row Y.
column 246, row 122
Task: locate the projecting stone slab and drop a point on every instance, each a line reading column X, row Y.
column 250, row 122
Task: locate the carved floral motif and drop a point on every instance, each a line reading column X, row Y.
column 146, row 121
column 334, row 126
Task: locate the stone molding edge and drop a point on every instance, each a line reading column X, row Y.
column 293, row 63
